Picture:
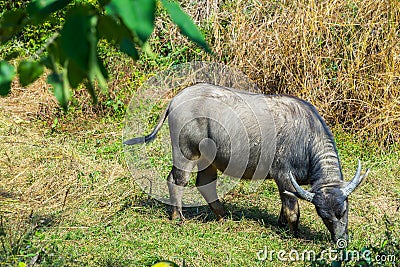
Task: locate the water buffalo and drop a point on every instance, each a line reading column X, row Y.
column 256, row 136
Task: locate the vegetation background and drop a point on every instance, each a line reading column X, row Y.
column 67, row 198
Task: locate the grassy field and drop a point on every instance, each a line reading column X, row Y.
column 68, row 199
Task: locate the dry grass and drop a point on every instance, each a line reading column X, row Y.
column 343, row 56
column 47, row 170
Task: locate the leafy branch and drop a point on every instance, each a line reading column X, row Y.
column 71, row 54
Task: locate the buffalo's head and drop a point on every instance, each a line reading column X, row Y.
column 331, row 202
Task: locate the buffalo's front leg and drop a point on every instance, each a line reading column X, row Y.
column 290, row 212
column 206, row 183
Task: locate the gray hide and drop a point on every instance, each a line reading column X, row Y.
column 254, row 136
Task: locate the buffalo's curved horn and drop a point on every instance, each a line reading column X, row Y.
column 355, row 181
column 304, row 194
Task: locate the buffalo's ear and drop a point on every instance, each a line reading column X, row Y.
column 292, row 194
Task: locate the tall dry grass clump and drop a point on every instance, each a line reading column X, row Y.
column 343, row 56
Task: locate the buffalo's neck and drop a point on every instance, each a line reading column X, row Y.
column 324, row 162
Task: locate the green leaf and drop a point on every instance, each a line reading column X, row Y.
column 128, row 47
column 185, row 24
column 114, row 32
column 74, row 36
column 75, row 74
column 78, row 42
column 109, row 29
column 103, row 2
column 7, row 73
column 92, row 92
column 29, row 71
column 60, row 89
column 96, row 72
column 137, row 15
column 56, row 53
column 103, row 69
column 40, row 9
column 11, row 23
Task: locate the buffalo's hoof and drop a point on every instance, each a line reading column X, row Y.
column 177, row 215
column 218, row 209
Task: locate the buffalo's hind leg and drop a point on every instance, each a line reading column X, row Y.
column 176, row 181
column 206, row 183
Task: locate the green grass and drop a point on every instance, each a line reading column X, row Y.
column 67, row 198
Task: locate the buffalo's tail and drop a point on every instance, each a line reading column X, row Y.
column 152, row 135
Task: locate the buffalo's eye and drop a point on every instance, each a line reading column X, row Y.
column 340, row 214
column 343, row 213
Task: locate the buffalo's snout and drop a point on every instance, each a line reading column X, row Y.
column 342, row 238
column 339, row 233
